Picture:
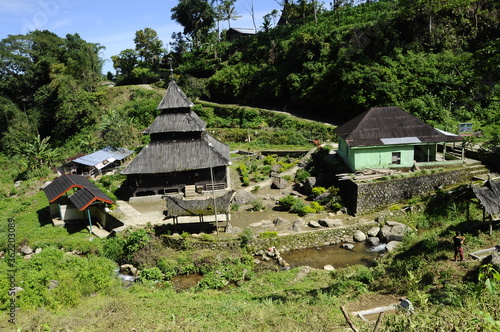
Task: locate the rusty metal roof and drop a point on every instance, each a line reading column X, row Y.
column 383, row 125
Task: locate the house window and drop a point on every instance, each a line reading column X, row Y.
column 396, row 158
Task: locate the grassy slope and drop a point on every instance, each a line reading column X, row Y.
column 270, row 301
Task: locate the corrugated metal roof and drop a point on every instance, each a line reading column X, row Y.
column 400, row 140
column 368, row 128
column 174, row 98
column 176, row 156
column 102, row 157
column 244, row 31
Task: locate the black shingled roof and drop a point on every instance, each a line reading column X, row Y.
column 368, row 128
column 86, row 196
column 63, row 184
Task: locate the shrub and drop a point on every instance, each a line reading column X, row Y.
column 316, row 191
column 268, row 235
column 255, row 189
column 257, row 205
column 269, row 160
column 316, row 207
column 235, row 207
column 246, row 236
column 287, row 202
column 151, row 274
column 301, row 175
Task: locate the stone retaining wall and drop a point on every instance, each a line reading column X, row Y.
column 362, row 198
column 300, row 240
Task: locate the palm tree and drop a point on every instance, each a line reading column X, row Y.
column 229, row 11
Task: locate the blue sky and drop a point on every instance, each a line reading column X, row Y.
column 111, row 23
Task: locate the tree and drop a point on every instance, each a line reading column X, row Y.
column 229, row 11
column 197, row 17
column 125, row 62
column 250, row 10
column 148, row 46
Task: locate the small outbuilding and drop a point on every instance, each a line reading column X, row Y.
column 74, row 197
column 235, row 33
column 388, row 137
column 99, row 162
column 488, row 198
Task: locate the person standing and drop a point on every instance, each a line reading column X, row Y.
column 458, row 241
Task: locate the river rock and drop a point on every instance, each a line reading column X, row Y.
column 373, row 232
column 26, row 250
column 129, row 269
column 280, row 222
column 359, row 236
column 330, row 222
column 279, row 183
column 52, row 284
column 236, row 230
column 493, row 259
column 393, row 231
column 244, row 197
column 16, row 290
column 2, row 253
column 373, row 241
column 392, row 245
column 297, row 224
column 348, row 246
column 313, row 224
column 38, row 250
column 309, row 183
column 328, row 267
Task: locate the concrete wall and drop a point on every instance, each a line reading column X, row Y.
column 371, row 196
column 69, row 212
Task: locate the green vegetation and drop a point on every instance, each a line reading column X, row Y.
column 438, row 61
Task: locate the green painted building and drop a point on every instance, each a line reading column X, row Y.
column 388, row 137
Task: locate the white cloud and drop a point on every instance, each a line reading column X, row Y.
column 17, row 7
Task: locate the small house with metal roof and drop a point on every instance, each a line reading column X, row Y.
column 98, row 162
column 388, row 137
column 235, row 33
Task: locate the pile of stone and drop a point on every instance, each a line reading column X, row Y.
column 384, row 238
column 272, row 254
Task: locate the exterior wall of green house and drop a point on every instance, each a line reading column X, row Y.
column 382, row 156
column 388, row 156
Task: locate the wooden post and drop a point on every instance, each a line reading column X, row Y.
column 90, row 219
column 379, row 319
column 348, row 319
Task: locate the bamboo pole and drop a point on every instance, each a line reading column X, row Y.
column 348, row 319
column 377, row 324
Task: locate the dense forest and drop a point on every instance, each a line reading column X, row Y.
column 439, row 61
